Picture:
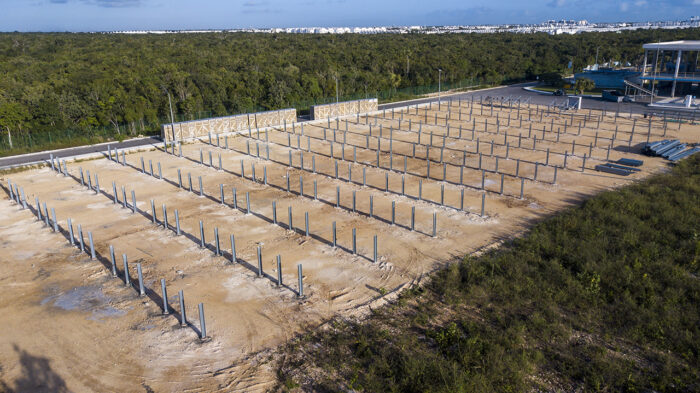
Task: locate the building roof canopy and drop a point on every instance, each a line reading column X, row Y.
column 689, row 46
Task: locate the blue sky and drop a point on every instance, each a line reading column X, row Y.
column 105, row 15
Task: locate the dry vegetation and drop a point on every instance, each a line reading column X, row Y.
column 602, row 297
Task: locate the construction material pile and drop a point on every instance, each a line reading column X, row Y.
column 670, row 149
column 622, row 167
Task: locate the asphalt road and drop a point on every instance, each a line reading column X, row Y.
column 513, row 91
column 73, row 151
column 535, row 98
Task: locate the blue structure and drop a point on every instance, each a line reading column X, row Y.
column 608, row 78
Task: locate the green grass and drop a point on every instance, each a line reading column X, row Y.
column 604, row 297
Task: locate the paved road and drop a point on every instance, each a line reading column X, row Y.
column 513, row 91
column 73, row 151
column 535, row 98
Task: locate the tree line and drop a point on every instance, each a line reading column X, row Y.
column 57, row 81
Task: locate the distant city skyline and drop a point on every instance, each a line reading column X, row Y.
column 111, row 15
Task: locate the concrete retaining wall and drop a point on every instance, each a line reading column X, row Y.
column 217, row 125
column 344, row 108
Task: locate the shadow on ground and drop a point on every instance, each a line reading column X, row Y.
column 37, row 376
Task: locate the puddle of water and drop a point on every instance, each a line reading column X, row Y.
column 86, row 298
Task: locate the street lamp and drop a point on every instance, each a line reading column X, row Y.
column 439, row 83
column 172, row 118
column 336, row 88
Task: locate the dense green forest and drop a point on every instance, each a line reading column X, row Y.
column 601, row 298
column 98, row 86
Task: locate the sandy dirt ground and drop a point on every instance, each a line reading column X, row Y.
column 69, row 325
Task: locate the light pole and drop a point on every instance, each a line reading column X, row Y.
column 336, row 89
column 439, row 82
column 172, row 118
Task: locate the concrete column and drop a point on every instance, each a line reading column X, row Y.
column 142, row 288
column 375, row 249
column 80, row 238
column 55, row 223
column 183, row 314
column 216, row 241
column 70, row 229
column 354, row 241
column 301, row 281
column 127, row 280
column 164, row 291
column 279, row 270
column 335, row 240
column 233, row 249
column 201, row 235
column 92, row 246
column 434, row 224
column 675, row 74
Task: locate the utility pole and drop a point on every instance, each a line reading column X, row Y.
column 336, row 89
column 439, row 82
column 172, row 118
